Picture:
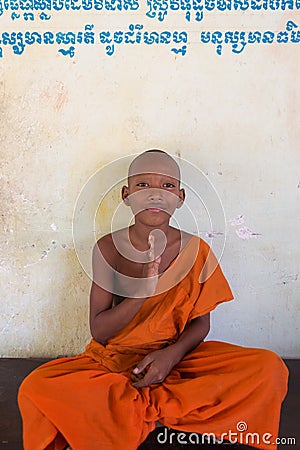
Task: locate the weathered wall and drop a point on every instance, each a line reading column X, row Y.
column 235, row 116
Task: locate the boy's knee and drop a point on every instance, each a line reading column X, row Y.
column 29, row 383
column 272, row 366
column 269, row 358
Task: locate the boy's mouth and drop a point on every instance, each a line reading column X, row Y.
column 155, row 209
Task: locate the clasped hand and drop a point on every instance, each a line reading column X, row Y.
column 154, row 368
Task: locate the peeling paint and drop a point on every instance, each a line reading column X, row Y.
column 246, row 233
column 31, row 264
column 237, row 220
column 44, row 253
column 5, row 329
column 290, row 278
column 26, row 246
column 212, row 234
column 26, row 200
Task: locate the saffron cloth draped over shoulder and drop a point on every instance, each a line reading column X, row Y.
column 88, row 401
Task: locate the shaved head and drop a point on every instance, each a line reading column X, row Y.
column 154, row 161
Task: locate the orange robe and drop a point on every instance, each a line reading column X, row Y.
column 89, row 402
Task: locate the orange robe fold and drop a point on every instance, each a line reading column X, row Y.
column 88, row 401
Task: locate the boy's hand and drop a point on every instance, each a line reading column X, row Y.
column 150, row 269
column 139, row 376
column 155, row 367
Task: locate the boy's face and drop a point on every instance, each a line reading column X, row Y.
column 153, row 190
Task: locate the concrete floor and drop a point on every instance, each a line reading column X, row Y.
column 13, row 371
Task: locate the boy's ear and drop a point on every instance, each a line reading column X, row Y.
column 125, row 194
column 181, row 198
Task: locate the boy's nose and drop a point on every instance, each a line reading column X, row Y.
column 155, row 194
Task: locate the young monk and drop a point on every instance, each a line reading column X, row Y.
column 153, row 289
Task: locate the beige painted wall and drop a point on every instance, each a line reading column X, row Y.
column 237, row 117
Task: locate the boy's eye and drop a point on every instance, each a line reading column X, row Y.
column 167, row 185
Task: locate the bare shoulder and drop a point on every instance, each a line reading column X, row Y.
column 105, row 245
column 113, row 245
column 186, row 238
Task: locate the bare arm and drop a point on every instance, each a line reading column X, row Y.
column 193, row 334
column 106, row 321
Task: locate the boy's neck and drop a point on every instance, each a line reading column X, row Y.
column 139, row 233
